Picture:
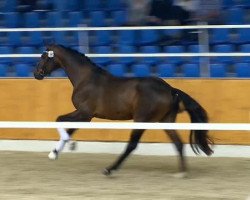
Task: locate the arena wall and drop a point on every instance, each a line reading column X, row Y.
column 226, row 101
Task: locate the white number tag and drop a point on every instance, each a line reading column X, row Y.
column 50, row 54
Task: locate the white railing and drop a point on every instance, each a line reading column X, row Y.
column 128, row 125
column 138, row 55
column 124, row 28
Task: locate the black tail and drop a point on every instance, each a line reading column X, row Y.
column 199, row 139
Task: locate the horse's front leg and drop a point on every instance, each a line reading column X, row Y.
column 65, row 135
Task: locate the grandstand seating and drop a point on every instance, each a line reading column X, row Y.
column 245, row 48
column 3, row 70
column 141, row 70
column 149, row 50
column 119, row 17
column 114, row 13
column 220, row 36
column 242, row 70
column 117, row 69
column 223, row 48
column 174, row 49
column 31, row 19
column 126, row 60
column 191, row 70
column 165, row 70
column 235, row 16
column 126, row 37
column 23, row 70
column 217, row 70
column 103, row 50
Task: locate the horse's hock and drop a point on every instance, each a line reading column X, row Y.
column 226, row 101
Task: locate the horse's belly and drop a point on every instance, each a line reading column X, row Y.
column 114, row 114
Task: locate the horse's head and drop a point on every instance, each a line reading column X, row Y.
column 48, row 63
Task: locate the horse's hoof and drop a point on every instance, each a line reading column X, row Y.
column 53, row 155
column 181, row 175
column 106, row 172
column 72, row 145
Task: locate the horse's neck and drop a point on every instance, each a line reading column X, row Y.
column 77, row 73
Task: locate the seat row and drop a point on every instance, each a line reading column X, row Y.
column 61, row 19
column 165, row 70
column 124, row 49
column 235, row 15
column 64, row 5
column 124, row 37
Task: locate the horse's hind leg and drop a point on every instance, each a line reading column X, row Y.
column 173, row 135
column 133, row 142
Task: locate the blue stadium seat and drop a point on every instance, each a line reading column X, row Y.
column 235, row 15
column 23, row 70
column 223, row 48
column 103, row 50
column 194, row 48
column 59, row 37
column 61, row 5
column 31, row 19
column 191, row 70
column 246, row 3
column 75, row 18
column 227, row 4
column 126, row 37
column 102, row 38
column 165, row 70
column 64, row 38
column 117, row 69
column 243, row 36
column 245, row 48
column 34, row 38
column 147, row 37
column 242, row 70
column 119, row 17
column 3, row 70
column 58, row 73
column 172, row 32
column 6, row 50
column 126, row 49
column 97, row 18
column 54, row 19
column 26, row 50
column 217, row 70
column 220, row 36
column 141, row 70
column 150, row 50
column 8, row 6
column 14, row 39
column 174, row 49
column 114, row 5
column 92, row 5
column 12, row 20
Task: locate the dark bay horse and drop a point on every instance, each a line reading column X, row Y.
column 99, row 94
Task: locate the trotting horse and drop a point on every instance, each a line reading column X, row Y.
column 99, row 94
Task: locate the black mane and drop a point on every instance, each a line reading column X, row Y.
column 79, row 54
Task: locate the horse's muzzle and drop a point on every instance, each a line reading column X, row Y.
column 38, row 76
